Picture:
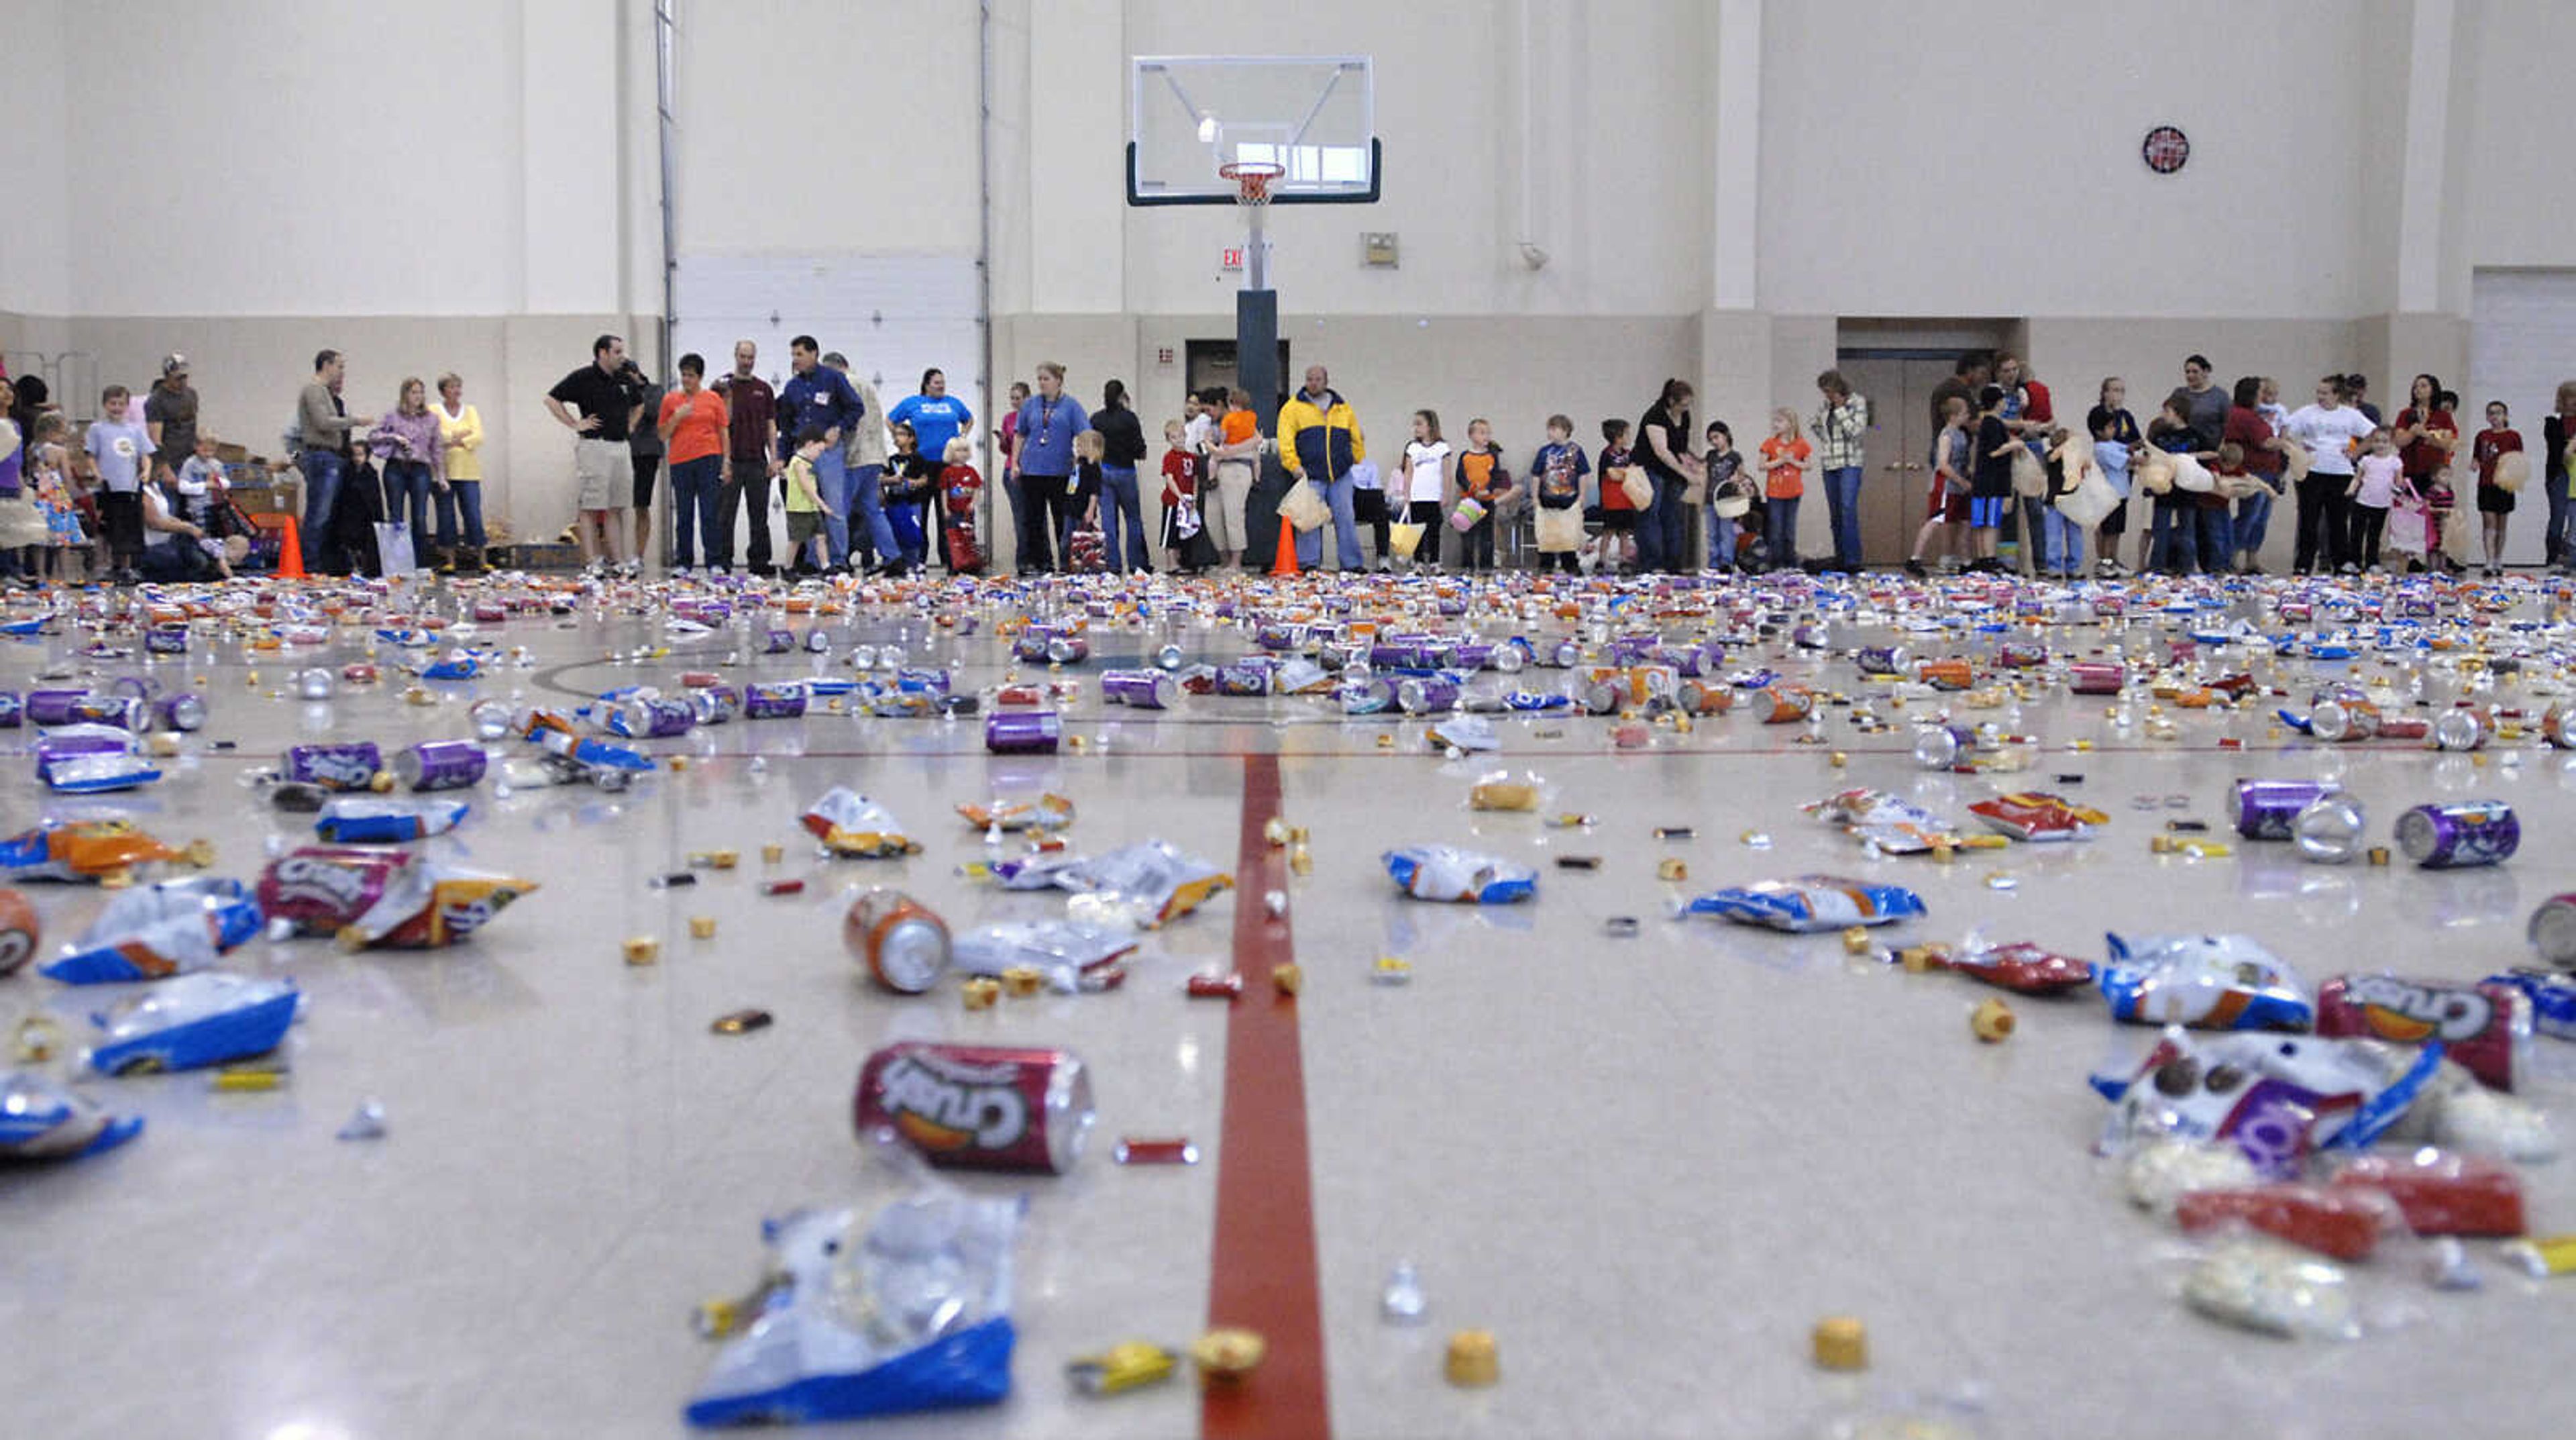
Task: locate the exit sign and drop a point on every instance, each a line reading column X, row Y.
column 1231, row 258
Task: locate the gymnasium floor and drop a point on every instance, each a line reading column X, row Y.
column 1648, row 1165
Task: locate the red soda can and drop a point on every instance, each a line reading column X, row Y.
column 2485, row 1026
column 1949, row 674
column 979, row 1107
column 2021, row 654
column 2097, row 677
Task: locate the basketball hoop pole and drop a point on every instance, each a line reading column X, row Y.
column 1256, row 255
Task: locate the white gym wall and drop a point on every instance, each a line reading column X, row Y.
column 1715, row 183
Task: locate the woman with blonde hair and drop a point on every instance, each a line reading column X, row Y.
column 460, row 446
column 407, row 438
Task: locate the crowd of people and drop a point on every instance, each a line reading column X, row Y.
column 863, row 488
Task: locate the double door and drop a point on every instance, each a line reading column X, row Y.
column 1898, row 476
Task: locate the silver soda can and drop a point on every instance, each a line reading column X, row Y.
column 1168, row 657
column 904, row 945
column 440, row 765
column 1068, row 649
column 715, row 704
column 2330, row 829
column 2553, row 931
column 2457, row 834
column 1942, row 747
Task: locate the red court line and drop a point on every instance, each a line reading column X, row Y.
column 1263, row 1270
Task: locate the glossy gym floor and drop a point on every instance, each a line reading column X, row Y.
column 1647, row 1164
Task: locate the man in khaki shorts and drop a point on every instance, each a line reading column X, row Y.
column 601, row 403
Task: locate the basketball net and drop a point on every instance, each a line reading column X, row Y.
column 1252, row 179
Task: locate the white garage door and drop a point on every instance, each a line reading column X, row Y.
column 2522, row 342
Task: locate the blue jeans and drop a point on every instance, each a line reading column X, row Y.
column 2217, row 540
column 1842, row 496
column 846, row 489
column 2065, row 541
column 1120, row 514
column 465, row 496
column 1721, row 541
column 2560, row 538
column 2253, row 519
column 407, row 490
column 1346, row 531
column 693, row 505
column 1661, row 527
column 2172, row 549
column 1780, row 531
column 323, row 470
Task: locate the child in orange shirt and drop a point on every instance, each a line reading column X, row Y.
column 1786, row 459
column 1482, row 477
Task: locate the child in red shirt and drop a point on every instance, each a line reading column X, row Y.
column 2495, row 502
column 958, row 487
column 1180, row 493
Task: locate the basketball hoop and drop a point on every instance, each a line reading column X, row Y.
column 1251, row 178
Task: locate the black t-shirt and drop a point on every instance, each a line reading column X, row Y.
column 1993, row 473
column 646, row 443
column 594, row 391
column 1122, row 437
column 1677, row 438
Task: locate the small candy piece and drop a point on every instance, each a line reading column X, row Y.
column 2266, row 1286
column 1274, row 832
column 981, row 991
column 1841, row 1343
column 1856, row 940
column 1022, row 981
column 1578, row 862
column 782, row 887
column 1205, row 986
column 245, row 1078
column 1275, row 901
column 1991, row 1021
column 1666, row 832
column 1402, row 1301
column 2542, row 1257
column 1839, row 759
column 367, row 1122
column 1301, row 861
column 715, row 859
column 772, row 854
column 38, row 1040
column 740, row 1022
column 1473, row 1360
column 1227, row 1354
column 2377, row 856
column 716, row 1319
column 1755, row 840
column 702, row 927
column 1157, row 1152
column 642, row 950
column 1620, row 927
column 1388, row 970
column 1917, row 959
column 382, row 782
column 1127, row 1365
column 1671, row 869
column 1288, row 978
column 672, row 878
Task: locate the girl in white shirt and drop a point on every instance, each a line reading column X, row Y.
column 2331, row 430
column 2379, row 478
column 1423, row 484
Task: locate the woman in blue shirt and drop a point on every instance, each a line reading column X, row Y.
column 936, row 417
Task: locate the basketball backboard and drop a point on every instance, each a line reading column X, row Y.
column 1313, row 115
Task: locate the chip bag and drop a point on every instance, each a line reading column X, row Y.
column 2213, row 982
column 1047, row 812
column 384, row 819
column 849, row 823
column 2277, row 1098
column 1072, row 955
column 1875, row 817
column 2036, row 816
column 155, row 931
column 81, row 850
column 1444, row 872
column 43, row 1119
column 194, row 1021
column 1810, row 903
column 1149, row 885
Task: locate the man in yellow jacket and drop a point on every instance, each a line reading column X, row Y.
column 1319, row 440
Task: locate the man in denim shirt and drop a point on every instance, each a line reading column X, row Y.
column 821, row 397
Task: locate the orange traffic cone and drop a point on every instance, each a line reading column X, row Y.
column 290, row 551
column 1286, row 563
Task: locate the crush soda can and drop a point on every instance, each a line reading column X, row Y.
column 772, row 700
column 440, row 765
column 1023, row 732
column 2458, row 834
column 981, row 1107
column 2266, row 809
column 2486, row 1026
column 352, row 766
column 2096, row 677
column 902, row 943
column 1139, row 689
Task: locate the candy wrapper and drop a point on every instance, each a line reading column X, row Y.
column 2163, row 1169
column 2214, row 982
column 2036, row 816
column 2552, row 997
column 1148, row 885
column 2485, row 1028
column 194, row 1021
column 2023, row 968
column 1810, row 903
column 1875, row 817
column 43, row 1119
column 2273, row 1289
column 2276, row 1097
column 1047, row 812
column 1503, row 790
column 84, row 850
column 901, row 1306
column 849, row 823
column 156, row 931
column 1472, row 734
column 1444, row 872
column 384, row 898
column 385, row 819
column 1024, row 872
column 91, row 760
column 1072, row 955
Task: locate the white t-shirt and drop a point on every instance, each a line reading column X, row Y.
column 1364, row 475
column 1199, row 435
column 1429, row 466
column 2328, row 433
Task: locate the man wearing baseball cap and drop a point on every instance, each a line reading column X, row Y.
column 170, row 414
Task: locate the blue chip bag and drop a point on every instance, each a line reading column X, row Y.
column 2209, row 982
column 1445, row 872
column 1810, row 903
column 195, row 1020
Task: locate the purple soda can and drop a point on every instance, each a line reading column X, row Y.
column 166, row 640
column 1244, row 677
column 53, row 707
column 1138, row 689
column 714, row 704
column 2458, row 834
column 13, row 711
column 183, row 711
column 1023, row 732
column 651, row 718
column 352, row 766
column 777, row 640
column 2266, row 808
column 1427, row 695
column 440, row 765
column 772, row 700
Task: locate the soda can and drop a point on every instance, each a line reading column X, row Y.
column 1560, row 654
column 903, row 944
column 165, row 641
column 777, row 640
column 1168, row 657
column 183, row 712
column 1427, row 695
column 645, row 717
column 1947, row 674
column 715, row 704
column 2553, row 931
column 2454, row 835
column 1471, row 655
column 1138, row 689
column 1372, row 696
column 1023, row 732
column 2552, row 997
column 980, row 1107
column 13, row 711
column 350, row 766
column 440, row 765
column 2021, row 655
column 2557, row 726
column 1943, row 747
column 1278, row 635
column 1246, row 677
column 1704, row 697
column 772, row 700
column 1068, row 649
column 2266, row 809
column 2097, row 677
column 1786, row 704
column 2330, row 831
column 2463, row 727
column 2346, row 718
column 1882, row 659
column 2486, row 1027
column 64, row 707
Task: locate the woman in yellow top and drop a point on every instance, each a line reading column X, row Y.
column 460, row 441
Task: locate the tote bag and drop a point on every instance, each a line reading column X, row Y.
column 1634, row 484
column 1305, row 507
column 1403, row 537
column 393, row 549
column 2029, row 477
column 2090, row 501
column 1560, row 532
